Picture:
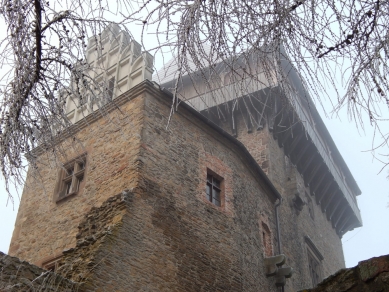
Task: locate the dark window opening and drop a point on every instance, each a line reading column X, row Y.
column 266, row 238
column 314, row 269
column 213, row 190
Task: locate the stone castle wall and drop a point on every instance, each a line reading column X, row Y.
column 166, row 236
column 211, row 248
column 169, row 237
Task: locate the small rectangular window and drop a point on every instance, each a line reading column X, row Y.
column 314, row 269
column 314, row 261
column 213, row 190
column 71, row 177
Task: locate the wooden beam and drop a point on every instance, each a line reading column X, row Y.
column 340, row 215
column 324, row 191
column 344, row 222
column 295, row 142
column 319, row 182
column 307, row 164
column 349, row 225
column 303, row 151
column 285, row 137
column 329, row 199
column 335, row 208
column 314, row 172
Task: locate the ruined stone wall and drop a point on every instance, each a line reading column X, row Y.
column 98, row 229
column 369, row 275
column 20, row 276
column 44, row 227
column 295, row 225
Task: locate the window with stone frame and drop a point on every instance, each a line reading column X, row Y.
column 71, row 177
column 267, row 240
column 314, row 259
column 314, row 269
column 213, row 189
column 53, row 264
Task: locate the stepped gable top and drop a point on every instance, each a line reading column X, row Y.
column 114, row 64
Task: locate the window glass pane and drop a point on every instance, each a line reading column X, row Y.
column 79, row 181
column 213, row 190
column 216, row 194
column 68, row 186
column 208, row 191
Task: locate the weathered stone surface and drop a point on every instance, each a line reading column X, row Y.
column 99, row 223
column 368, row 276
column 21, row 276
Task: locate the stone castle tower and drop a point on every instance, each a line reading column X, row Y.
column 207, row 204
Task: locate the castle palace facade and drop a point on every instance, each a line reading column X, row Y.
column 223, row 195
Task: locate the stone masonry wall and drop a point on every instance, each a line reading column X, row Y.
column 20, row 276
column 98, row 226
column 44, row 227
column 295, row 225
column 207, row 248
column 165, row 236
column 368, row 276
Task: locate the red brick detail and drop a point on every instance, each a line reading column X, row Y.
column 212, row 164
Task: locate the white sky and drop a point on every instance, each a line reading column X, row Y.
column 362, row 243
